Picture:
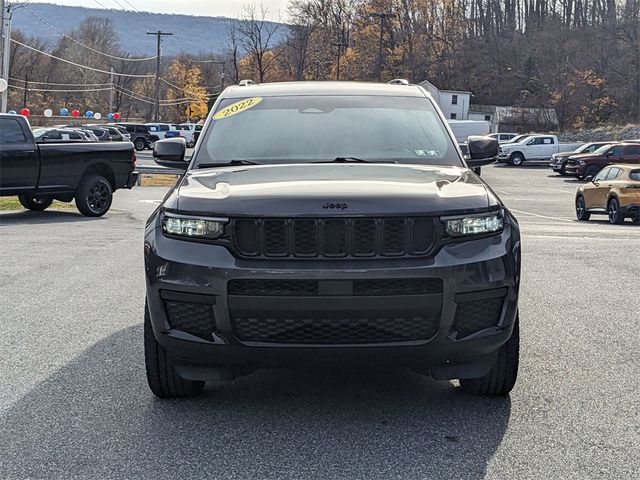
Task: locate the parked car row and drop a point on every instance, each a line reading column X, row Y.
column 189, row 131
column 587, row 161
column 532, row 147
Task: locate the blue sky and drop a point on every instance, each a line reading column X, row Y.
column 277, row 9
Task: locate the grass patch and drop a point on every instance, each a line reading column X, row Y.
column 158, row 180
column 12, row 203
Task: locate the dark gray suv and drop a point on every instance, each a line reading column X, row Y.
column 330, row 224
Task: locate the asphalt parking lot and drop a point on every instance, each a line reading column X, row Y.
column 74, row 401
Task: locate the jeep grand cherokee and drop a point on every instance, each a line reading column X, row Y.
column 330, row 224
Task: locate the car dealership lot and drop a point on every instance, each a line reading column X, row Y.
column 75, row 403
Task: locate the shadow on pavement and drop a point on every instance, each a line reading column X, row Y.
column 95, row 418
column 27, row 217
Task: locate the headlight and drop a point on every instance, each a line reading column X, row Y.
column 193, row 227
column 480, row 224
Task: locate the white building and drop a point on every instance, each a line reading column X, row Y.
column 453, row 103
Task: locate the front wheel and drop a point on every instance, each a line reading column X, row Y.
column 36, row 204
column 162, row 377
column 139, row 145
column 94, row 196
column 502, row 377
column 615, row 215
column 517, row 159
column 581, row 209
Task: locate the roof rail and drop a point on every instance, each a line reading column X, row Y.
column 246, row 82
column 398, row 81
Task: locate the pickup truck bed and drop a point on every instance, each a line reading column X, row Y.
column 40, row 173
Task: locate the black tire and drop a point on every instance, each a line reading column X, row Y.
column 94, row 196
column 636, row 217
column 162, row 377
column 591, row 171
column 613, row 210
column 516, row 159
column 36, row 204
column 502, row 377
column 563, row 169
column 581, row 210
column 139, row 144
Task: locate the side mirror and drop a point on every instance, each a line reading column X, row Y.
column 170, row 153
column 482, row 151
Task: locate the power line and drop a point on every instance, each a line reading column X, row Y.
column 115, row 57
column 29, row 89
column 119, row 4
column 96, row 1
column 130, row 75
column 63, row 84
column 131, row 5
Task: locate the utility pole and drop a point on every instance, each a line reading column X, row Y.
column 6, row 49
column 339, row 44
column 381, row 16
column 111, row 92
column 159, row 34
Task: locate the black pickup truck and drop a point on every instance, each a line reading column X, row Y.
column 40, row 173
column 330, row 224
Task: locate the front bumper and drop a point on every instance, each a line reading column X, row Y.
column 471, row 271
column 576, row 170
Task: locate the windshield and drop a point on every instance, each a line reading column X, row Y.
column 518, row 138
column 38, row 132
column 298, row 129
column 603, row 149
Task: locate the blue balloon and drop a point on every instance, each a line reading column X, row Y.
column 110, row 116
column 12, row 112
column 88, row 114
column 64, row 112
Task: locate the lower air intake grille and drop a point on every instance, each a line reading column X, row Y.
column 194, row 318
column 473, row 316
column 335, row 330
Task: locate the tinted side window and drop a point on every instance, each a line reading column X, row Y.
column 615, row 151
column 632, row 150
column 635, row 175
column 613, row 174
column 75, row 136
column 164, row 128
column 130, row 128
column 11, row 132
column 602, row 175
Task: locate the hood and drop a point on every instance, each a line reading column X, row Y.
column 331, row 189
column 585, row 156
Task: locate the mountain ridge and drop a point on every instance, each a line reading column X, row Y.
column 204, row 34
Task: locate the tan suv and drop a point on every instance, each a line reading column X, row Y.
column 614, row 191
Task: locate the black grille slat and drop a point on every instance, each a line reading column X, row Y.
column 476, row 315
column 334, row 237
column 375, row 287
column 311, row 330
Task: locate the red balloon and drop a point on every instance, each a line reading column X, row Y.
column 116, row 116
column 25, row 112
column 75, row 113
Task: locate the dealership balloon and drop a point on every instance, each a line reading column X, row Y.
column 12, row 112
column 88, row 114
column 116, row 116
column 64, row 112
column 48, row 113
column 76, row 113
column 97, row 115
column 25, row 112
column 3, row 85
column 110, row 116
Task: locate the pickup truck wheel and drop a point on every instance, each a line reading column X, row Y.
column 162, row 377
column 590, row 172
column 581, row 209
column 139, row 145
column 94, row 196
column 563, row 169
column 35, row 203
column 615, row 215
column 502, row 377
column 517, row 159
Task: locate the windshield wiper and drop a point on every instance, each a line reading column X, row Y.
column 354, row 160
column 231, row 163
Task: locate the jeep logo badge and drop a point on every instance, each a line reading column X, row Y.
column 335, row 206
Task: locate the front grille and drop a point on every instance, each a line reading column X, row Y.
column 292, row 288
column 318, row 330
column 334, row 237
column 194, row 318
column 476, row 315
column 571, row 162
